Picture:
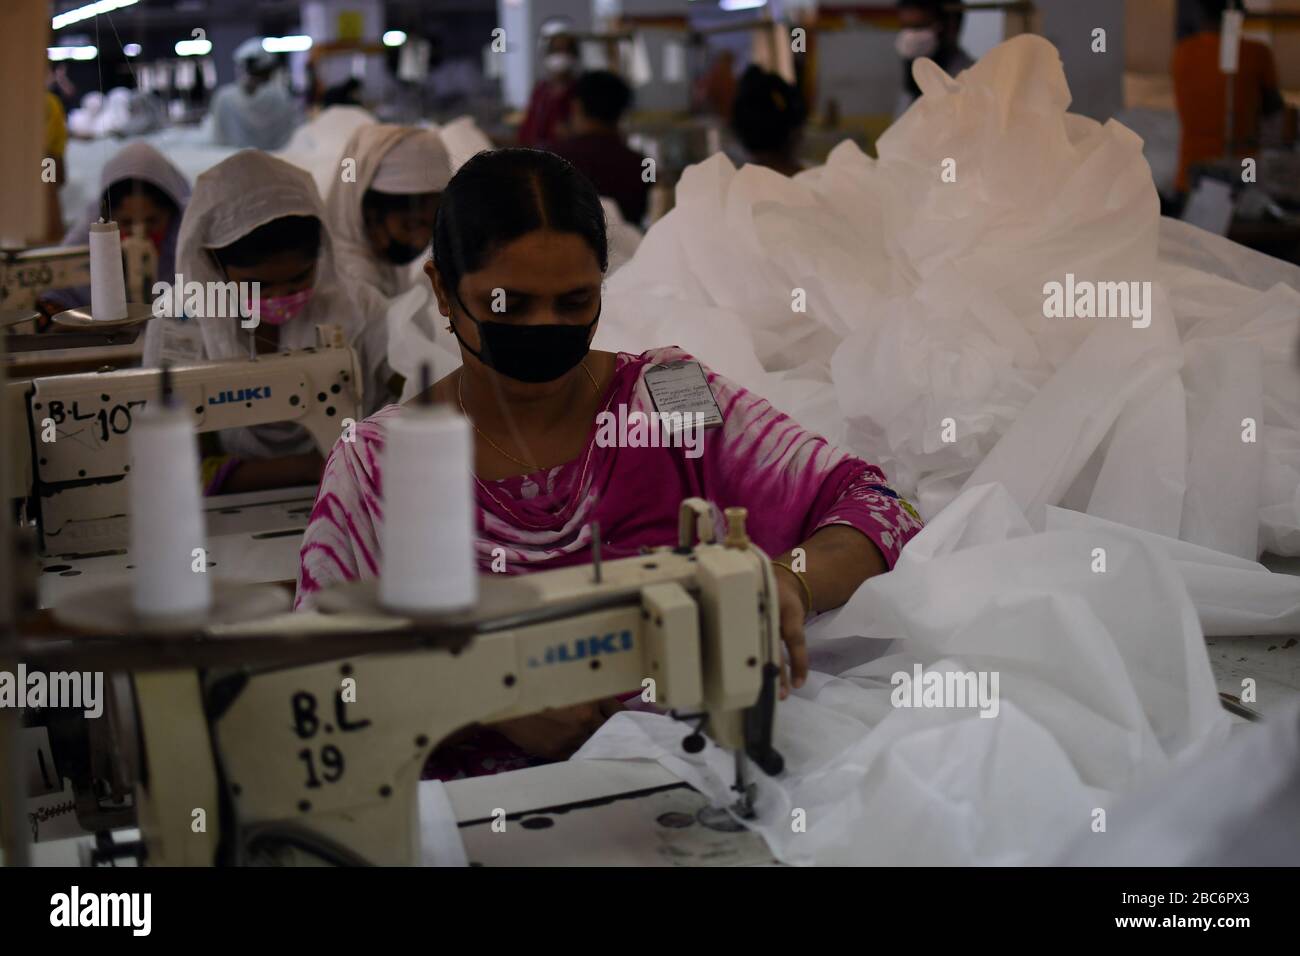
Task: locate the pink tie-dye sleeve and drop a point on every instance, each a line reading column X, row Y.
column 341, row 542
column 793, row 481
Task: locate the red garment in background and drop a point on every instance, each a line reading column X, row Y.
column 1200, row 92
column 613, row 168
column 548, row 109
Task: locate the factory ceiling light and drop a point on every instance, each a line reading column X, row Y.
column 72, row 52
column 394, row 38
column 292, row 44
column 89, row 10
column 193, row 47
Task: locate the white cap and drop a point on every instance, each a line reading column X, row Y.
column 555, row 27
column 251, row 53
column 419, row 163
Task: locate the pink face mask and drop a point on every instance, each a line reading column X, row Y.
column 277, row 310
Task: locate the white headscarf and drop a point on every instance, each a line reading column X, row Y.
column 140, row 161
column 230, row 200
column 134, row 161
column 395, row 159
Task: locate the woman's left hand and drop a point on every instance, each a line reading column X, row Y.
column 790, row 594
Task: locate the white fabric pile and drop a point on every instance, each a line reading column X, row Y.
column 1104, row 700
column 1095, row 514
column 924, row 346
column 120, row 112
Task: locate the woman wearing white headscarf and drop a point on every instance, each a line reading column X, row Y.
column 255, row 218
column 256, row 110
column 139, row 185
column 381, row 207
column 383, row 218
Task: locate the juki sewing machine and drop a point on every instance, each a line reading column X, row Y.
column 300, row 738
column 71, row 460
column 27, row 274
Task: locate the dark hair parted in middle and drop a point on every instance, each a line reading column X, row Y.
column 501, row 195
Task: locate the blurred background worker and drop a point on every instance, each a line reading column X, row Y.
column 256, row 110
column 595, row 144
column 56, row 143
column 1201, row 92
column 138, row 186
column 928, row 30
column 768, row 117
column 552, row 99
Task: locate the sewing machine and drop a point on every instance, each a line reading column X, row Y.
column 27, row 274
column 71, row 460
column 77, row 345
column 300, row 738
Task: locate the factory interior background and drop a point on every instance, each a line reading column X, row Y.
column 650, row 433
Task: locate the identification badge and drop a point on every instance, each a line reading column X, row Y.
column 181, row 341
column 680, row 387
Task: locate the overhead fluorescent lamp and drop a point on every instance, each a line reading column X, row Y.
column 193, row 47
column 394, row 38
column 741, row 4
column 88, row 11
column 292, row 44
column 72, row 52
column 131, row 49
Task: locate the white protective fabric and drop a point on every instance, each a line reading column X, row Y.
column 416, row 163
column 122, row 112
column 1239, row 807
column 897, row 306
column 623, row 237
column 1103, row 686
column 247, row 190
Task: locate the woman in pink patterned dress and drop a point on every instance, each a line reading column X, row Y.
column 519, row 257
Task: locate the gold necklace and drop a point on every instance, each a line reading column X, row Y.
column 460, row 400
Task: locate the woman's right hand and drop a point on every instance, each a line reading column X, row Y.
column 556, row 734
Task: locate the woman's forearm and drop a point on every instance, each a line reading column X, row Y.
column 835, row 560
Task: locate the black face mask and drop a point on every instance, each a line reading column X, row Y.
column 529, row 353
column 402, row 253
